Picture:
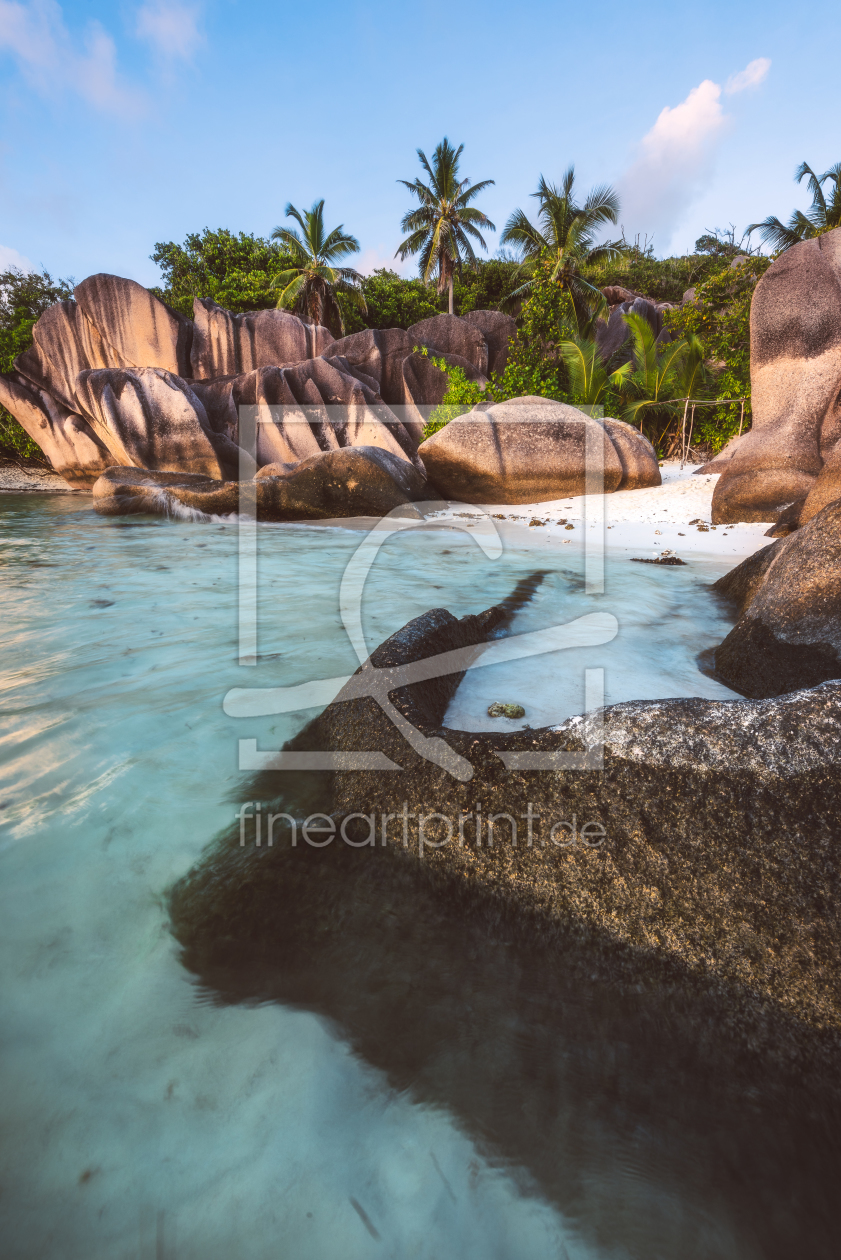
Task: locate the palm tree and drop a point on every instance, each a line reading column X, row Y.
column 663, row 377
column 565, row 237
column 443, row 223
column 802, row 227
column 590, row 377
column 311, row 284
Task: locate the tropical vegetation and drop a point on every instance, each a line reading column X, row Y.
column 444, row 225
column 549, row 274
column 314, row 278
column 821, row 217
column 565, row 234
column 24, row 296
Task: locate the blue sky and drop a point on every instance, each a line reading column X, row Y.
column 136, row 121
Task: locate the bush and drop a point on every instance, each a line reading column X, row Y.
column 235, row 270
column 23, row 299
column 720, row 316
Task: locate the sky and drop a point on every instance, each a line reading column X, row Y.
column 136, row 121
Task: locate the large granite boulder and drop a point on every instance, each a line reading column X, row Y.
column 695, row 846
column 789, row 632
column 140, row 329
column 317, row 405
column 795, row 382
column 640, row 466
column 449, row 334
column 64, row 436
column 149, row 418
column 522, row 451
column 225, row 344
column 379, row 353
column 498, row 330
column 173, row 397
column 351, row 481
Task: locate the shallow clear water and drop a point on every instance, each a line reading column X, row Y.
column 143, row 1119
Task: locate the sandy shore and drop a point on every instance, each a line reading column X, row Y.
column 639, row 522
column 19, row 477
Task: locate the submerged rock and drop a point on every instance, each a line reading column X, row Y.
column 349, row 481
column 693, row 839
column 789, row 595
column 506, row 710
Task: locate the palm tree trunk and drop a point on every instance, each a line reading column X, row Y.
column 451, row 293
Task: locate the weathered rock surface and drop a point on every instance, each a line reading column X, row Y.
column 225, row 344
column 448, row 334
column 65, row 437
column 66, row 343
column 498, row 330
column 116, row 377
column 521, row 451
column 318, row 405
column 350, row 481
column 640, row 466
column 789, row 633
column 827, row 487
column 795, row 384
column 703, row 848
column 379, row 353
column 424, row 385
column 148, row 418
column 140, row 330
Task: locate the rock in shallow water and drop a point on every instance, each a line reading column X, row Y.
column 789, row 594
column 350, row 481
column 703, row 847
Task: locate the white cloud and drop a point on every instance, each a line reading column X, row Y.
column 172, row 29
column 676, row 157
column 35, row 34
column 11, row 258
column 372, row 259
column 752, row 75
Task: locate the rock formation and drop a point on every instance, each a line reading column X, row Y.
column 117, row 379
column 658, row 859
column 347, row 481
column 795, row 385
column 789, row 597
column 532, row 449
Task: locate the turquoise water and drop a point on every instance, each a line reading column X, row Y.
column 142, row 1116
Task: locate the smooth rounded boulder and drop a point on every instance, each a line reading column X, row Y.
column 350, row 481
column 640, row 466
column 789, row 594
column 525, row 450
column 795, row 344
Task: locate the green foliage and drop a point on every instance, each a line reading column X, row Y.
column 486, row 286
column 822, row 217
column 440, row 229
column 235, row 270
column 663, row 279
column 720, row 317
column 592, row 383
column 311, row 283
column 397, row 303
column 23, row 299
column 534, row 366
column 565, row 236
column 663, row 377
